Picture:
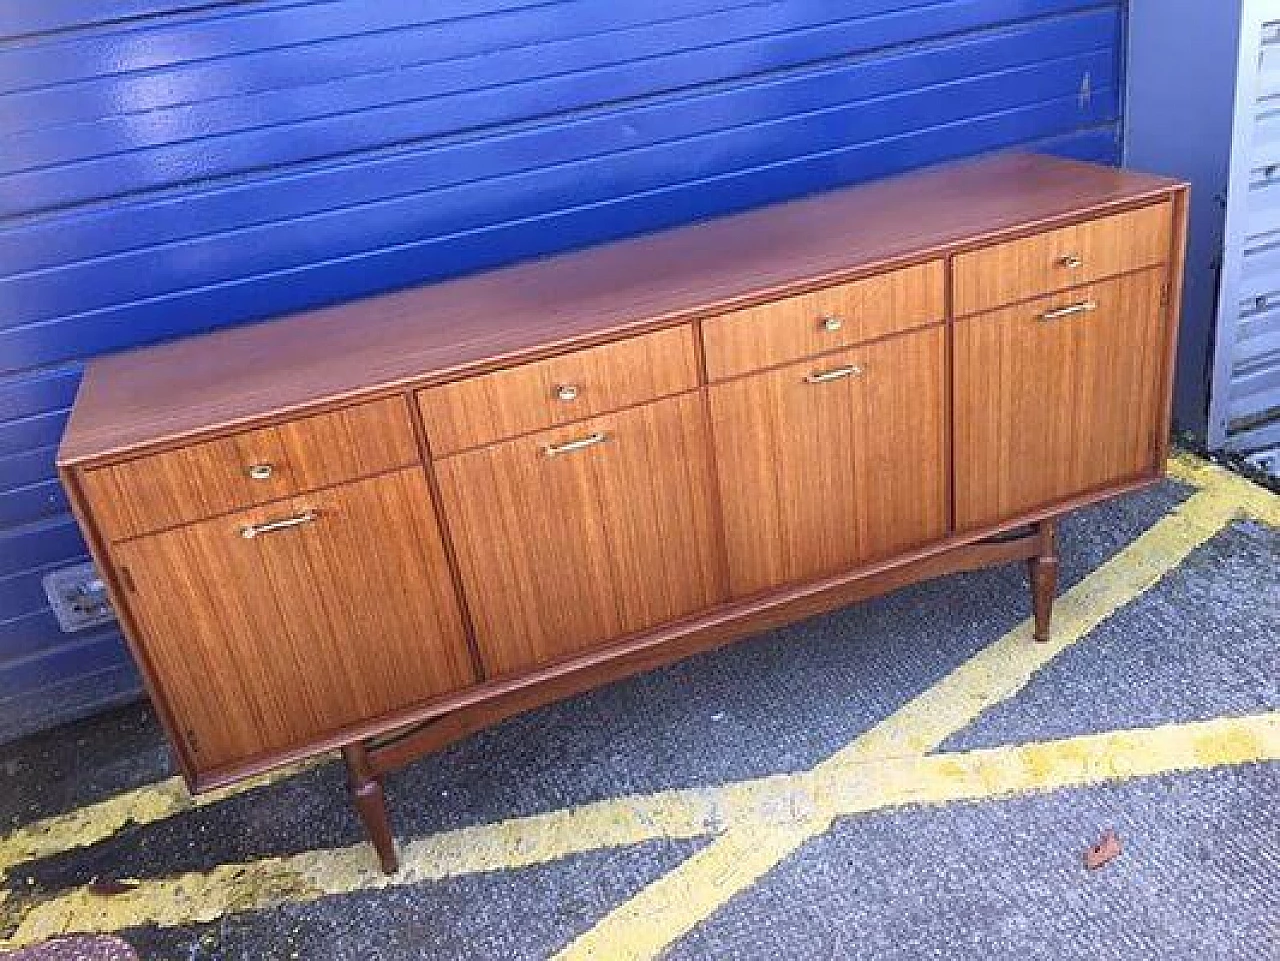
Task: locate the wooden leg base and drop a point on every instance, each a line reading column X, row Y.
column 1043, row 568
column 367, row 762
column 371, row 804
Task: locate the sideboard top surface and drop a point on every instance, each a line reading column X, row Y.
column 215, row 381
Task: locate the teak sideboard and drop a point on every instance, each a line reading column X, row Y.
column 384, row 525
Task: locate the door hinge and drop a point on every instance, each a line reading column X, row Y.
column 193, row 742
column 126, row 579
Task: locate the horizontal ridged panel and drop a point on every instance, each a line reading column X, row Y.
column 1245, row 396
column 52, row 541
column 28, row 634
column 70, row 691
column 38, row 430
column 172, row 167
column 29, row 502
column 813, row 116
column 22, row 595
column 82, row 656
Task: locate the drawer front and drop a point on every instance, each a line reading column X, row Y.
column 827, row 319
column 231, row 473
column 559, row 390
column 1058, row 397
column 1057, row 259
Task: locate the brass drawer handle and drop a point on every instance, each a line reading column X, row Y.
column 831, row 324
column 260, row 471
column 1071, row 261
column 1081, row 308
column 836, row 373
column 567, row 392
column 582, row 443
column 250, row 531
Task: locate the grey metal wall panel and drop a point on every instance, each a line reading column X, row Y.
column 1179, row 106
column 1202, row 101
column 1245, row 391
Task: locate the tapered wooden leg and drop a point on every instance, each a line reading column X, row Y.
column 366, row 791
column 1044, row 577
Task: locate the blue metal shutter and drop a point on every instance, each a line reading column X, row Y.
column 172, row 167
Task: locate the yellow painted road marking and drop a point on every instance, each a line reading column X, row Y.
column 254, row 885
column 1252, row 500
column 995, row 674
column 767, row 817
column 748, row 851
column 671, row 906
column 144, row 805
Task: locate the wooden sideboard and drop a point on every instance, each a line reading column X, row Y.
column 384, row 525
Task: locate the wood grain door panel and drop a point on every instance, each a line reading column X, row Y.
column 819, row 477
column 1050, row 408
column 266, row 643
column 562, row 551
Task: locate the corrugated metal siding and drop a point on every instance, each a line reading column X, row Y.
column 173, row 167
column 1245, row 407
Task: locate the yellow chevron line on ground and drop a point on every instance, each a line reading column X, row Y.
column 992, row 676
column 153, row 802
column 748, row 851
column 767, row 817
column 1251, row 500
column 143, row 805
column 671, row 906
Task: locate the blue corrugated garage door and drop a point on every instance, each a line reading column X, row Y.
column 168, row 167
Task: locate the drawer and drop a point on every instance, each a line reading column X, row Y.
column 559, row 390
column 214, row 477
column 827, row 319
column 1056, row 259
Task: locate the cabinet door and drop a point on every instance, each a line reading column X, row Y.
column 834, row 462
column 1057, row 397
column 340, row 612
column 571, row 537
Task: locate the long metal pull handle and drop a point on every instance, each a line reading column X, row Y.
column 582, row 443
column 250, row 531
column 1081, row 308
column 836, row 373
